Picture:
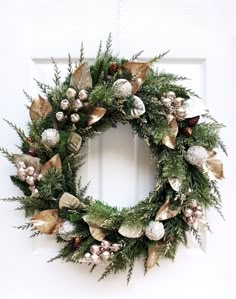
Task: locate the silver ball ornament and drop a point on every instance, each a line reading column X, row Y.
column 105, row 244
column 181, row 112
column 67, row 230
column 78, row 104
column 198, row 214
column 155, row 230
column 105, row 255
column 95, row 249
column 166, row 102
column 87, row 256
column 50, row 137
column 188, row 212
column 75, row 117
column 70, row 93
column 178, row 101
column 197, row 155
column 95, row 259
column 39, row 177
column 21, row 172
column 122, row 88
column 171, row 95
column 83, row 95
column 65, row 104
column 60, row 116
column 115, row 247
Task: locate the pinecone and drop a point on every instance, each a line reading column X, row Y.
column 113, row 68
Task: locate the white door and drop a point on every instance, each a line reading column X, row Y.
column 202, row 38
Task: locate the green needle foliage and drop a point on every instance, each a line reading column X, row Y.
column 152, row 126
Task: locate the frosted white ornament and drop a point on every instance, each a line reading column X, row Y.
column 95, row 249
column 106, row 255
column 171, row 95
column 75, row 117
column 65, row 104
column 60, row 116
column 166, row 102
column 138, row 107
column 50, row 137
column 122, row 88
column 70, row 93
column 197, row 155
column 105, row 244
column 188, row 212
column 78, row 104
column 96, row 259
column 155, row 230
column 87, row 256
column 83, row 95
column 67, row 230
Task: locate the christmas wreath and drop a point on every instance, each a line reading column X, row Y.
column 92, row 99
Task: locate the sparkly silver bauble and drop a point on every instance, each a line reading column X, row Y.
column 70, row 93
column 197, row 155
column 96, row 259
column 50, row 137
column 67, row 230
column 178, row 102
column 78, row 104
column 181, row 112
column 122, row 88
column 166, row 102
column 60, row 116
column 105, row 244
column 95, row 249
column 155, row 230
column 87, row 256
column 75, row 117
column 65, row 104
column 106, row 255
column 83, row 95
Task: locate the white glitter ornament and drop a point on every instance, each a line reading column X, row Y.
column 197, row 155
column 50, row 137
column 70, row 93
column 67, row 231
column 65, row 104
column 122, row 88
column 155, row 230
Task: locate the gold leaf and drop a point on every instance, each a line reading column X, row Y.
column 81, row 77
column 215, row 165
column 28, row 160
column 47, row 221
column 175, row 183
column 170, row 140
column 138, row 70
column 128, row 231
column 54, row 162
column 96, row 233
column 74, row 142
column 153, row 255
column 95, row 115
column 68, row 200
column 165, row 212
column 39, row 108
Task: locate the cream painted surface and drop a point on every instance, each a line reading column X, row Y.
column 202, row 38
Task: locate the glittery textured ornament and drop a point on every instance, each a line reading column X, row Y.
column 50, row 137
column 67, row 230
column 122, row 88
column 197, row 155
column 155, row 230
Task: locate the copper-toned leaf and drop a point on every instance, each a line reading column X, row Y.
column 153, row 256
column 28, row 160
column 68, row 200
column 138, row 70
column 170, row 140
column 81, row 77
column 74, row 142
column 96, row 233
column 39, row 108
column 215, row 165
column 54, row 162
column 47, row 222
column 165, row 212
column 95, row 115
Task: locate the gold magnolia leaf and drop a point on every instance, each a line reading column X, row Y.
column 165, row 212
column 96, row 233
column 47, row 221
column 81, row 77
column 138, row 70
column 68, row 200
column 175, row 183
column 130, row 231
column 153, row 256
column 28, row 160
column 95, row 115
column 54, row 162
column 39, row 108
column 215, row 165
column 170, row 140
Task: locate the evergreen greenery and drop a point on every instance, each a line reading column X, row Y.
column 152, row 127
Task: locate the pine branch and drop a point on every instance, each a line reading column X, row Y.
column 57, row 76
column 107, row 271
column 12, row 199
column 218, row 208
column 136, row 55
column 108, row 44
column 99, row 50
column 25, row 226
column 35, row 234
column 29, row 97
column 43, row 87
column 19, row 131
column 7, row 155
column 197, row 236
column 81, row 58
column 157, row 58
column 130, row 271
column 69, row 68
